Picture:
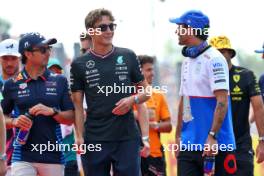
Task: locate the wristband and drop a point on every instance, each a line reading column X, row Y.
column 145, row 138
column 136, row 99
column 261, row 138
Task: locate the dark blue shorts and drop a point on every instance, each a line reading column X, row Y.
column 122, row 155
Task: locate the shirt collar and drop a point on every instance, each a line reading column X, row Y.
column 23, row 75
column 103, row 56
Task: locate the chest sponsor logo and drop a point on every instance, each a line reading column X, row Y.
column 120, row 60
column 198, row 67
column 121, row 68
column 90, row 64
column 122, row 77
column 51, row 91
column 23, row 86
column 23, row 93
column 217, row 65
column 236, row 78
column 237, row 91
column 51, row 84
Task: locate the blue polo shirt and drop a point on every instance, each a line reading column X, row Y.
column 22, row 92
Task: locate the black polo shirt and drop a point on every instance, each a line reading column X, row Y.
column 22, row 92
column 243, row 86
column 105, row 80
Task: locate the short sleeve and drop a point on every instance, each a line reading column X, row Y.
column 261, row 85
column 218, row 74
column 76, row 80
column 66, row 102
column 164, row 109
column 136, row 75
column 253, row 86
column 7, row 102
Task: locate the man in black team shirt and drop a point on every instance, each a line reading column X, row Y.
column 107, row 76
column 244, row 90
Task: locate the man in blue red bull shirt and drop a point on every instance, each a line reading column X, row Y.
column 204, row 118
column 45, row 96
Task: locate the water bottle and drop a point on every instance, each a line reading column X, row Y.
column 23, row 134
column 209, row 165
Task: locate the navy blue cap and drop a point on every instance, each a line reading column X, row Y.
column 33, row 39
column 192, row 18
column 261, row 50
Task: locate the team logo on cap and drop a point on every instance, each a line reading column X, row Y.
column 26, row 44
column 10, row 46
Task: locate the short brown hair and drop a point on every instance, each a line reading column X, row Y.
column 144, row 59
column 95, row 15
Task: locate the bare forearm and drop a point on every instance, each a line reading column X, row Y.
column 79, row 122
column 2, row 133
column 165, row 127
column 9, row 122
column 219, row 114
column 259, row 118
column 142, row 115
column 179, row 121
column 65, row 117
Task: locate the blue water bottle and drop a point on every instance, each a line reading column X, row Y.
column 209, row 165
column 23, row 134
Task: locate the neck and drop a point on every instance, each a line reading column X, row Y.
column 102, row 49
column 229, row 65
column 196, row 42
column 6, row 76
column 34, row 71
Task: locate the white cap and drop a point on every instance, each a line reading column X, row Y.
column 9, row 47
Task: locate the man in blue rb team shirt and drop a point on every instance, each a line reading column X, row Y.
column 45, row 96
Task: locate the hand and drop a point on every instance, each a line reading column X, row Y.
column 123, row 106
column 177, row 150
column 210, row 144
column 79, row 141
column 22, row 122
column 41, row 109
column 145, row 151
column 260, row 152
column 154, row 125
column 2, row 168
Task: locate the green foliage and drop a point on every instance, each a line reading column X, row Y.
column 251, row 61
column 4, row 26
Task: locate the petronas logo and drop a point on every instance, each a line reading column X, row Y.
column 120, row 60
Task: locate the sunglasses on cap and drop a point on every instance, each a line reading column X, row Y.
column 104, row 27
column 42, row 50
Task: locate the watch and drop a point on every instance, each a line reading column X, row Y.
column 136, row 99
column 213, row 134
column 3, row 157
column 145, row 138
column 261, row 138
column 56, row 111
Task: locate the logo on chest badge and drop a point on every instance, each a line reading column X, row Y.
column 236, row 78
column 22, row 86
column 120, row 60
column 90, row 64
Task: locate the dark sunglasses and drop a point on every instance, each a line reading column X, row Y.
column 104, row 27
column 42, row 50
